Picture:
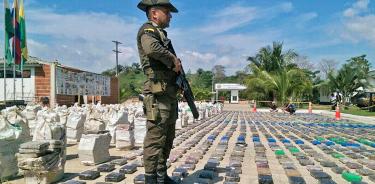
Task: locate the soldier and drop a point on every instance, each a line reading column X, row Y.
column 161, row 66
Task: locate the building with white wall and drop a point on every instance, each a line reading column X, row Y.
column 63, row 85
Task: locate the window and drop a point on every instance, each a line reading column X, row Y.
column 234, row 98
column 9, row 74
column 26, row 74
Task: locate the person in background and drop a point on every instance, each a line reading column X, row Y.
column 333, row 101
column 291, row 108
column 338, row 98
column 45, row 101
column 273, row 107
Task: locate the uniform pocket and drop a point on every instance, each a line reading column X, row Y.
column 158, row 87
column 151, row 107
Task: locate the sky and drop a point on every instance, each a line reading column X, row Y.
column 79, row 33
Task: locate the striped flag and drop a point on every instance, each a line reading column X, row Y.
column 22, row 27
column 9, row 32
column 17, row 34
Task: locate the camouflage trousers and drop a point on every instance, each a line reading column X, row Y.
column 160, row 134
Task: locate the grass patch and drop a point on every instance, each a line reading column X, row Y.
column 351, row 110
column 320, row 107
column 357, row 111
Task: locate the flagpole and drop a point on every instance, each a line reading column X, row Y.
column 14, row 53
column 5, row 89
column 22, row 79
column 14, row 81
column 5, row 79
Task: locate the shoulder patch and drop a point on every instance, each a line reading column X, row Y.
column 149, row 30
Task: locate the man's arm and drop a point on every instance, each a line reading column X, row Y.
column 154, row 49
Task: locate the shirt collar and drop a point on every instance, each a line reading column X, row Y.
column 154, row 24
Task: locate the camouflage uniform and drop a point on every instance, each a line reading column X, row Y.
column 157, row 57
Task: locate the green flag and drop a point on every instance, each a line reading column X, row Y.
column 22, row 25
column 9, row 33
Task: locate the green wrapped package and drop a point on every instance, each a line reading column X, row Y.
column 321, row 139
column 351, row 177
column 279, row 152
column 337, row 155
column 293, row 150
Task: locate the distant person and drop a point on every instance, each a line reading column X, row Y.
column 338, row 99
column 291, row 108
column 273, row 107
column 333, row 101
column 45, row 101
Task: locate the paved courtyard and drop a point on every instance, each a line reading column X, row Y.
column 240, row 146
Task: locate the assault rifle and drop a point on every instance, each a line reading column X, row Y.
column 184, row 85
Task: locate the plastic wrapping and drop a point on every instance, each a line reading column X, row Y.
column 125, row 137
column 11, row 136
column 94, row 148
column 75, row 125
column 139, row 129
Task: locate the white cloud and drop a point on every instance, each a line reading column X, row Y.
column 350, row 12
column 82, row 40
column 238, row 15
column 308, row 16
column 286, row 6
column 86, row 25
column 230, row 18
column 247, row 41
column 199, row 57
column 192, row 60
column 358, row 24
column 358, row 7
column 361, row 28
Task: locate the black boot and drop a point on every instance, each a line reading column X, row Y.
column 150, row 179
column 163, row 178
column 168, row 180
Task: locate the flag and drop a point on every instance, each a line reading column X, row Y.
column 17, row 34
column 22, row 27
column 9, row 32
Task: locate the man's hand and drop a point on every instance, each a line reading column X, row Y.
column 177, row 64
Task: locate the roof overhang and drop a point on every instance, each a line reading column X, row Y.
column 229, row 86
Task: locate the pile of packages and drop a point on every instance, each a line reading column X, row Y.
column 13, row 132
column 42, row 161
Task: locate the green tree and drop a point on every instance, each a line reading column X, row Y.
column 284, row 84
column 349, row 78
column 201, row 83
column 273, row 59
column 276, row 77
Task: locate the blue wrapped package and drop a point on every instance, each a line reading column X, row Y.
column 285, row 141
column 315, row 142
column 329, row 143
column 298, row 141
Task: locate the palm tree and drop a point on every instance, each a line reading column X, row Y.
column 275, row 75
column 346, row 82
column 273, row 59
column 284, row 84
column 352, row 76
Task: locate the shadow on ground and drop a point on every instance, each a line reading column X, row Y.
column 68, row 176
